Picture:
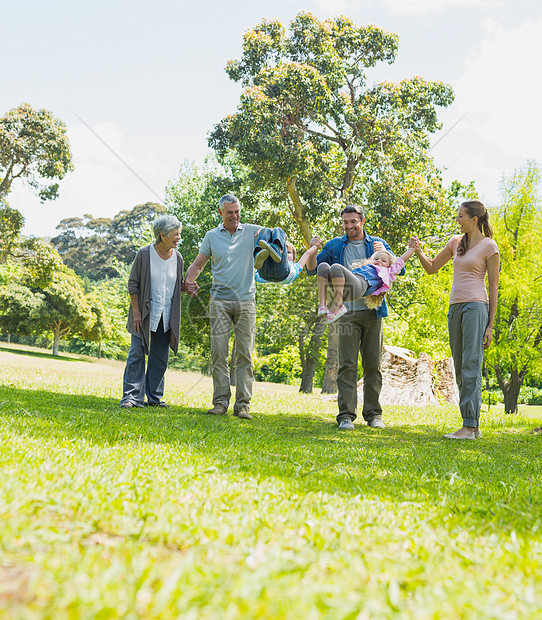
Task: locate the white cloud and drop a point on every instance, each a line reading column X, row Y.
column 100, row 184
column 500, row 94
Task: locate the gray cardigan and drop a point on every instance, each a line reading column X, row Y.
column 140, row 282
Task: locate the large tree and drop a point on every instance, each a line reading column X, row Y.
column 516, row 352
column 34, row 147
column 316, row 133
column 45, row 297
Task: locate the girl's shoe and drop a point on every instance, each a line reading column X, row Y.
column 323, row 310
column 333, row 316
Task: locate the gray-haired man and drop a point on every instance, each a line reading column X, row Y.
column 230, row 246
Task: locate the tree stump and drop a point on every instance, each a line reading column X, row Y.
column 407, row 380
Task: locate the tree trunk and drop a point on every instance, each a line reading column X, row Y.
column 299, row 212
column 510, row 388
column 511, row 399
column 100, row 350
column 310, row 354
column 56, row 341
column 329, row 384
column 349, row 175
column 9, row 338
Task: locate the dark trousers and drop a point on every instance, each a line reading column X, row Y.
column 360, row 331
column 270, row 270
column 137, row 383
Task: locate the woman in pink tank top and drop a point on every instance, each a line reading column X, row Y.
column 472, row 311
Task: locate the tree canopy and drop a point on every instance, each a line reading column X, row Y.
column 314, row 130
column 92, row 246
column 11, row 224
column 517, row 342
column 34, row 147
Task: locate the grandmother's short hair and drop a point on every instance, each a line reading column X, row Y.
column 164, row 224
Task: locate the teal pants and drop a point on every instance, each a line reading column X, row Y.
column 467, row 323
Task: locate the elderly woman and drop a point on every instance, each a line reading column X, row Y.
column 154, row 320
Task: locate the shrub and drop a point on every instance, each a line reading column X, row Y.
column 283, row 367
column 188, row 359
column 530, row 396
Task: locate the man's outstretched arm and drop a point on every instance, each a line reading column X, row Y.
column 193, row 273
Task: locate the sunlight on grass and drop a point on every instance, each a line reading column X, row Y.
column 171, row 513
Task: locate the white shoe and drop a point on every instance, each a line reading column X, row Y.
column 346, row 424
column 333, row 316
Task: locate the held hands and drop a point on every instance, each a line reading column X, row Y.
column 191, row 288
column 378, row 246
column 414, row 242
column 315, row 241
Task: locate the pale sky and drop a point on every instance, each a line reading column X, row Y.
column 149, row 79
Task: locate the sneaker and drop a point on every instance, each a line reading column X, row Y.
column 160, row 403
column 259, row 259
column 477, row 434
column 323, row 310
column 376, row 422
column 272, row 249
column 218, row 409
column 346, row 424
column 333, row 316
column 243, row 413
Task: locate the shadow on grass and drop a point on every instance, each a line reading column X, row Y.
column 39, row 354
column 492, row 482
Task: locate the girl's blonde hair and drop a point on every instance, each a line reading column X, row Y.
column 290, row 246
column 373, row 302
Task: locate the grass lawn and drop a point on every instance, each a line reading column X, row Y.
column 108, row 513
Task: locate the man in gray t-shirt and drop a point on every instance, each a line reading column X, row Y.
column 230, row 246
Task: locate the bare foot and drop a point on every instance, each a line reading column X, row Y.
column 463, row 433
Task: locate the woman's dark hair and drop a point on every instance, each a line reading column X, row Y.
column 475, row 208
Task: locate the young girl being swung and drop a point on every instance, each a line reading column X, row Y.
column 370, row 279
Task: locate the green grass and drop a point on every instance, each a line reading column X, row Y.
column 107, row 513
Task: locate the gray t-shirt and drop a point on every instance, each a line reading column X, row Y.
column 232, row 261
column 354, row 250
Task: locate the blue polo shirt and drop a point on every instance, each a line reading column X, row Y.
column 232, row 261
